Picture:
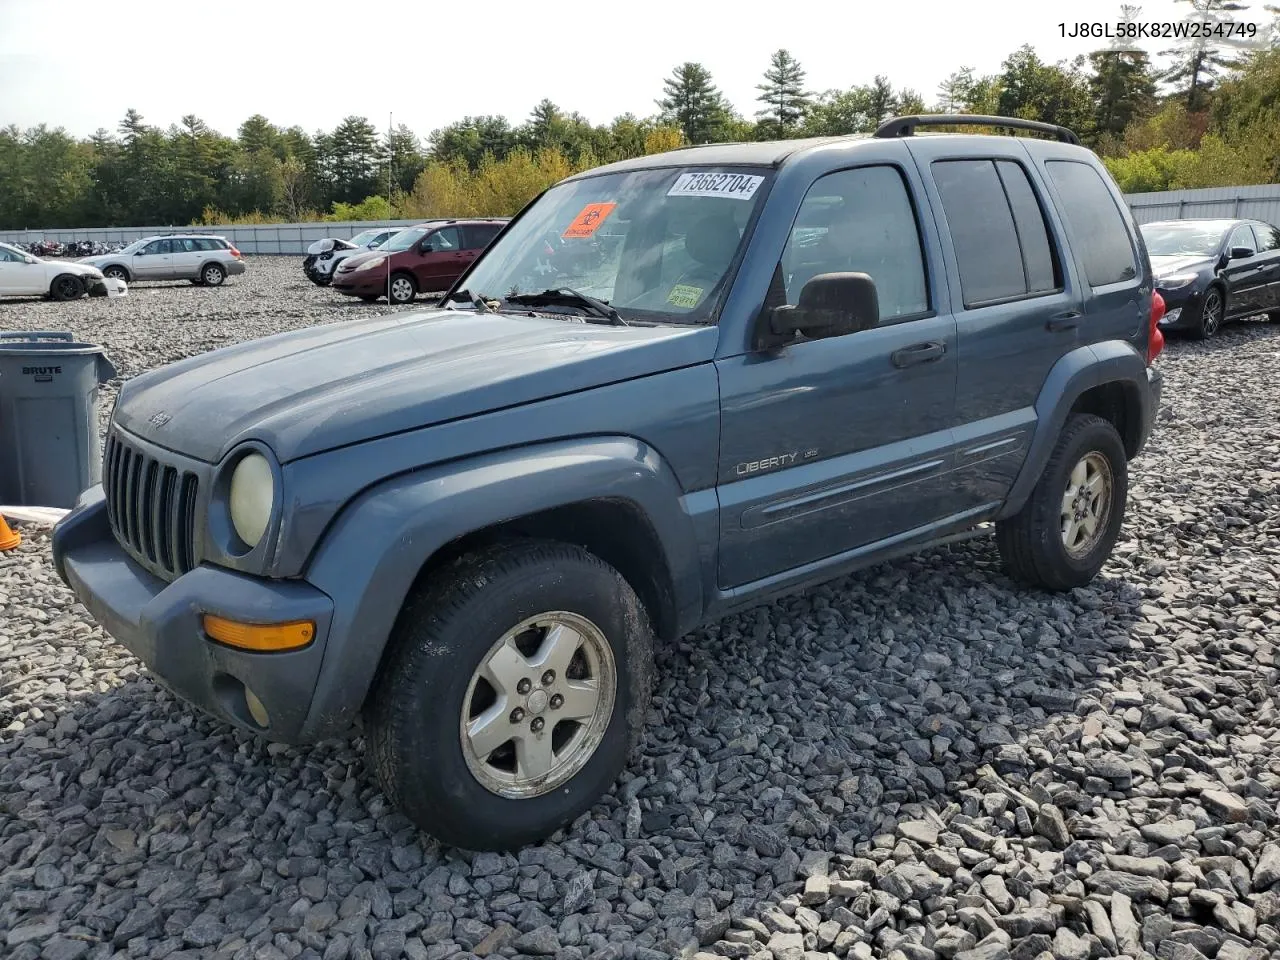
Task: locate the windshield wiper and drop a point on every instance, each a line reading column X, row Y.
column 477, row 300
column 566, row 296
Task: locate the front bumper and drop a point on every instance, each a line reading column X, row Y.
column 361, row 283
column 161, row 624
column 1188, row 301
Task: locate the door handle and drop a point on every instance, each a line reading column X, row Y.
column 918, row 353
column 1064, row 321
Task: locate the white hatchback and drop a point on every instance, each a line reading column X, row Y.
column 26, row 275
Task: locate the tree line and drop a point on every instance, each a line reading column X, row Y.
column 1209, row 115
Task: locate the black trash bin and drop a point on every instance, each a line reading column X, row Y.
column 49, row 447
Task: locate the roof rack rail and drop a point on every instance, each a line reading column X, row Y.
column 906, row 126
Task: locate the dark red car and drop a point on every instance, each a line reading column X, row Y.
column 425, row 258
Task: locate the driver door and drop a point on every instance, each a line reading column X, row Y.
column 440, row 259
column 834, row 444
column 152, row 262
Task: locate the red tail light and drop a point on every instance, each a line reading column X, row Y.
column 1155, row 340
column 235, row 253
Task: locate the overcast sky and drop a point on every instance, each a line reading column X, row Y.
column 81, row 64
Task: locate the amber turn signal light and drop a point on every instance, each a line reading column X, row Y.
column 262, row 637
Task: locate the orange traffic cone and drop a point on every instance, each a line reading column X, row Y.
column 8, row 538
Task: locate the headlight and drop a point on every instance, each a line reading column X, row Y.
column 1175, row 280
column 252, row 494
column 375, row 262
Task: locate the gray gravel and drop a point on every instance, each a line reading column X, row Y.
column 920, row 761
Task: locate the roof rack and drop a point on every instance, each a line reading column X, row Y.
column 906, row 126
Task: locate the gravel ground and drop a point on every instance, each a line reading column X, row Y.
column 917, row 761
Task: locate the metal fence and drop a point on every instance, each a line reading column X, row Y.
column 1257, row 203
column 1249, row 203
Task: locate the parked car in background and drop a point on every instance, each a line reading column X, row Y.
column 203, row 259
column 1211, row 272
column 424, row 258
column 323, row 256
column 24, row 274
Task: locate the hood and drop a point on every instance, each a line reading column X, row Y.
column 95, row 262
column 80, row 267
column 310, row 390
column 354, row 260
column 1163, row 266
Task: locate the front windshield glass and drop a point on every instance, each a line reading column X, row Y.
column 136, row 245
column 655, row 244
column 1182, row 239
column 405, row 238
column 362, row 238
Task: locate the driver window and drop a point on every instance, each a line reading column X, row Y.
column 1243, row 237
column 860, row 221
column 7, row 257
column 154, row 247
column 444, row 239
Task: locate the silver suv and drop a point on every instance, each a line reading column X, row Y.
column 203, row 259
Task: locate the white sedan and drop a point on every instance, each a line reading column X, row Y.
column 25, row 275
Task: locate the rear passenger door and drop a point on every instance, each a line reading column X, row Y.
column 186, row 258
column 1017, row 305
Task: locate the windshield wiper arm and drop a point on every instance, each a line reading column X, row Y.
column 565, row 295
column 477, row 300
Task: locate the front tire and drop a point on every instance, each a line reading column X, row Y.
column 66, row 286
column 116, row 273
column 1212, row 313
column 402, row 289
column 1067, row 528
column 515, row 685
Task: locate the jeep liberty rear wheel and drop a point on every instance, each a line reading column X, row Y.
column 513, row 689
column 1065, row 531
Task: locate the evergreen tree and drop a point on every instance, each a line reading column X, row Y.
column 1199, row 61
column 880, row 101
column 692, row 103
column 783, row 94
column 954, row 92
column 354, row 157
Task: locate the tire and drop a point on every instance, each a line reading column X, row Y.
column 1212, row 312
column 212, row 275
column 66, row 286
column 402, row 289
column 1274, row 316
column 368, row 297
column 116, row 273
column 418, row 747
column 1033, row 542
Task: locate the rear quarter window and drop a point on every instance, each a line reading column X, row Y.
column 1097, row 227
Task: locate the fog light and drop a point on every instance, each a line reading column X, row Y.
column 1171, row 316
column 262, row 637
column 256, row 708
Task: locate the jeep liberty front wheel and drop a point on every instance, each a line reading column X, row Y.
column 514, row 687
column 1065, row 531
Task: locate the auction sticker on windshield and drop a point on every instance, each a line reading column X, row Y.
column 683, row 295
column 740, row 186
column 588, row 220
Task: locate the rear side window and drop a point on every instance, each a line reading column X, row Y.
column 1268, row 237
column 1095, row 221
column 480, row 235
column 1002, row 245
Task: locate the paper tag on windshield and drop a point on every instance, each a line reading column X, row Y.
column 683, row 295
column 739, row 186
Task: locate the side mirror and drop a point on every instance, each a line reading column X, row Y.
column 831, row 305
column 1241, row 253
column 425, row 248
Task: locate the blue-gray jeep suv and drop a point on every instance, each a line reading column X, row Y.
column 768, row 364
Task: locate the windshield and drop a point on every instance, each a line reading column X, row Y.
column 405, row 238
column 1182, row 239
column 362, row 238
column 655, row 244
column 136, row 245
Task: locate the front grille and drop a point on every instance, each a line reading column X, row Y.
column 151, row 507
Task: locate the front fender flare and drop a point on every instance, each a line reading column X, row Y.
column 1111, row 361
column 373, row 551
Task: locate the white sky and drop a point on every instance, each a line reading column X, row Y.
column 80, row 64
